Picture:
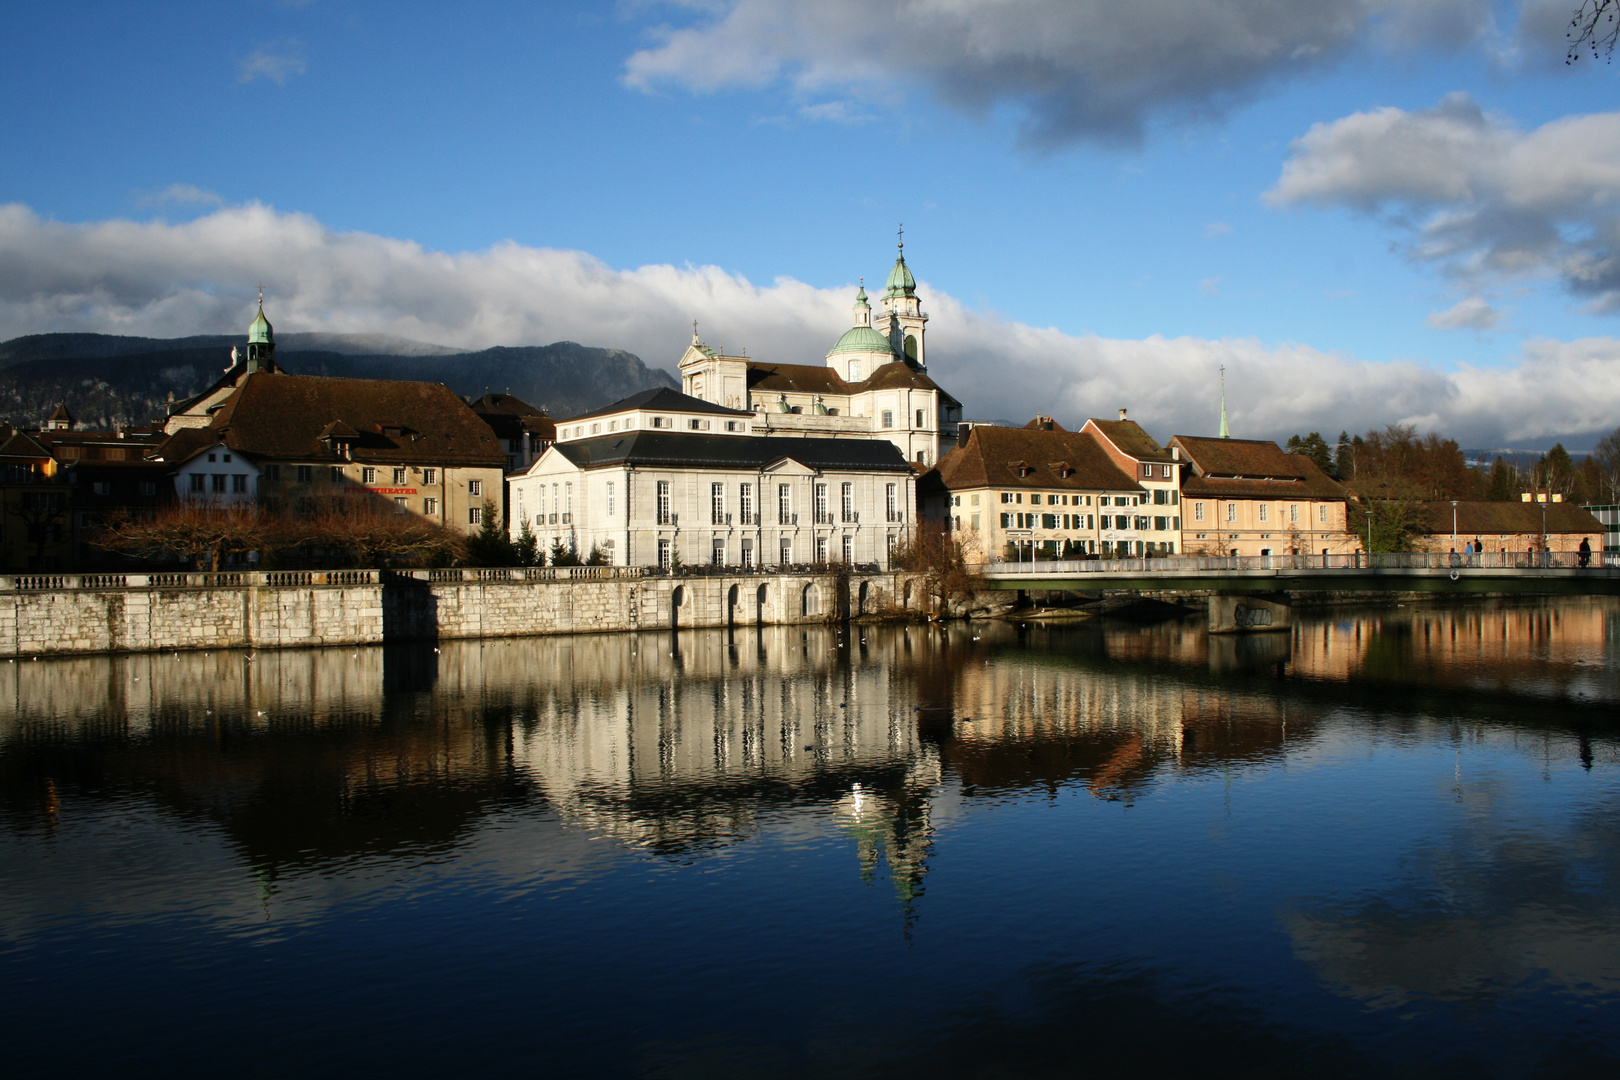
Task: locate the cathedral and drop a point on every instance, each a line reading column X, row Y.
column 874, row 384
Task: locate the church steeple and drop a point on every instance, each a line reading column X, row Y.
column 905, row 318
column 261, row 342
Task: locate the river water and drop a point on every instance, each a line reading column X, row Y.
column 1386, row 843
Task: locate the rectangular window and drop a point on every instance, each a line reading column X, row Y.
column 306, row 474
column 920, row 418
column 1006, row 496
column 663, row 554
column 717, row 504
column 658, row 422
column 784, row 504
column 1147, row 470
column 475, row 515
column 197, row 483
column 1322, row 513
column 1161, row 497
column 849, row 549
column 430, row 476
column 368, row 475
column 430, row 507
column 821, row 549
column 663, row 505
column 218, row 484
column 399, row 477
column 475, row 488
column 974, row 522
column 823, row 515
column 1122, row 521
column 1231, row 511
column 272, row 472
column 745, row 503
column 399, row 504
column 568, row 503
column 891, row 500
column 1265, row 512
column 1160, row 524
column 610, row 499
column 717, row 553
column 1035, row 500
column 1166, row 472
column 787, row 551
column 888, row 418
column 1049, row 521
column 1198, row 511
column 1006, row 521
column 148, row 487
column 847, row 500
column 1293, row 513
column 238, row 484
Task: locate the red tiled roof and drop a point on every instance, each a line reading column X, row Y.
column 1253, row 469
column 1497, row 518
column 1130, row 439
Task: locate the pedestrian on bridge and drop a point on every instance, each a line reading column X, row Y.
column 1586, row 552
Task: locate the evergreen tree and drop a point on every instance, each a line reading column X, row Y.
column 527, row 547
column 490, row 545
column 1344, row 462
column 1504, row 482
column 597, row 557
column 563, row 555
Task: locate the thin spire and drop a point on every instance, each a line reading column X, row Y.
column 902, row 234
column 1225, row 433
column 261, row 296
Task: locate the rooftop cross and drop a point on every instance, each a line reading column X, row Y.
column 902, row 233
column 261, row 294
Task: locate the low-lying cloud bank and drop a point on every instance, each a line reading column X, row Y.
column 167, row 280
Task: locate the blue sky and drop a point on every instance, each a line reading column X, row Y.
column 1105, row 202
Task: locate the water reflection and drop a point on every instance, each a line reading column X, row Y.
column 1399, row 807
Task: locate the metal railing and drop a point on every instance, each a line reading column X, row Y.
column 1400, row 560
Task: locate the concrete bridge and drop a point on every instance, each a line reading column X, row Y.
column 1251, row 592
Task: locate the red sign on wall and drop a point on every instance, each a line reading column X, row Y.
column 379, row 491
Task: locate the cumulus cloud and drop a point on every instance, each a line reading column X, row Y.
column 1471, row 313
column 1099, row 70
column 1474, row 194
column 276, row 61
column 170, row 279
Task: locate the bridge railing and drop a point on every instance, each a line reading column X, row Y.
column 1398, row 560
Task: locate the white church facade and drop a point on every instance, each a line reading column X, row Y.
column 873, row 385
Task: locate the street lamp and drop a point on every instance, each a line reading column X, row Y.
column 1546, row 559
column 1369, row 537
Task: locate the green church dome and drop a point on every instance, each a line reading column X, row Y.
column 260, row 332
column 901, row 283
column 862, row 339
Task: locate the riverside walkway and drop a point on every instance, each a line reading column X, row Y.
column 1547, row 573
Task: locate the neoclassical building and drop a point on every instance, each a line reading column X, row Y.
column 662, row 476
column 874, row 384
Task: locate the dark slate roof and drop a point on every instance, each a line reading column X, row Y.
column 275, row 416
column 1495, row 518
column 1131, row 440
column 506, row 404
column 1252, row 469
column 659, row 399
column 511, row 417
column 993, row 456
column 673, row 449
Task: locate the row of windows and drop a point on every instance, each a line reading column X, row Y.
column 1036, row 497
column 886, row 419
column 368, row 475
column 1080, row 522
column 664, row 422
column 821, row 549
column 785, row 513
column 1265, row 512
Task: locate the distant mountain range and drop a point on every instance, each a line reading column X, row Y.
column 107, row 381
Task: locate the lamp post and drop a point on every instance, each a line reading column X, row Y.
column 1545, row 555
column 1369, row 537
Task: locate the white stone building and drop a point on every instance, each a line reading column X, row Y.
column 874, row 384
column 662, row 476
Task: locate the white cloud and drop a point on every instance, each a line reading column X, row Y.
column 1474, row 194
column 163, row 279
column 1470, row 313
column 841, row 112
column 1216, row 228
column 275, row 60
column 1096, row 70
column 183, row 194
column 1210, row 286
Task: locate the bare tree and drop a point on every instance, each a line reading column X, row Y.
column 942, row 559
column 1607, row 457
column 1595, row 29
column 373, row 534
column 200, row 533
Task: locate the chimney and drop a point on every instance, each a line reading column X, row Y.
column 1122, row 414
column 962, row 432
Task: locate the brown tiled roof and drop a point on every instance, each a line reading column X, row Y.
column 796, row 379
column 993, row 457
column 1253, row 469
column 821, row 379
column 512, row 417
column 1130, row 439
column 1495, row 518
column 275, row 416
column 1044, row 423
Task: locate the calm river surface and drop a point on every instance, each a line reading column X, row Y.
column 1384, row 844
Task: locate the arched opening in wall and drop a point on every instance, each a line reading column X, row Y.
column 905, row 596
column 911, row 347
column 676, row 599
column 863, row 598
column 759, row 605
column 810, row 602
column 733, row 599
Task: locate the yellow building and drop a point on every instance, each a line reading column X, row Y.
column 1250, row 497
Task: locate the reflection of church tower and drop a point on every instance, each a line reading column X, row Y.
column 896, row 828
column 906, row 321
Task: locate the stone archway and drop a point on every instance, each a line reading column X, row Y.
column 759, row 604
column 863, row 598
column 677, row 599
column 810, row 601
column 733, row 601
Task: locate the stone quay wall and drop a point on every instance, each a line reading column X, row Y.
column 57, row 614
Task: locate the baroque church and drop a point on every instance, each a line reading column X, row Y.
column 874, row 384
